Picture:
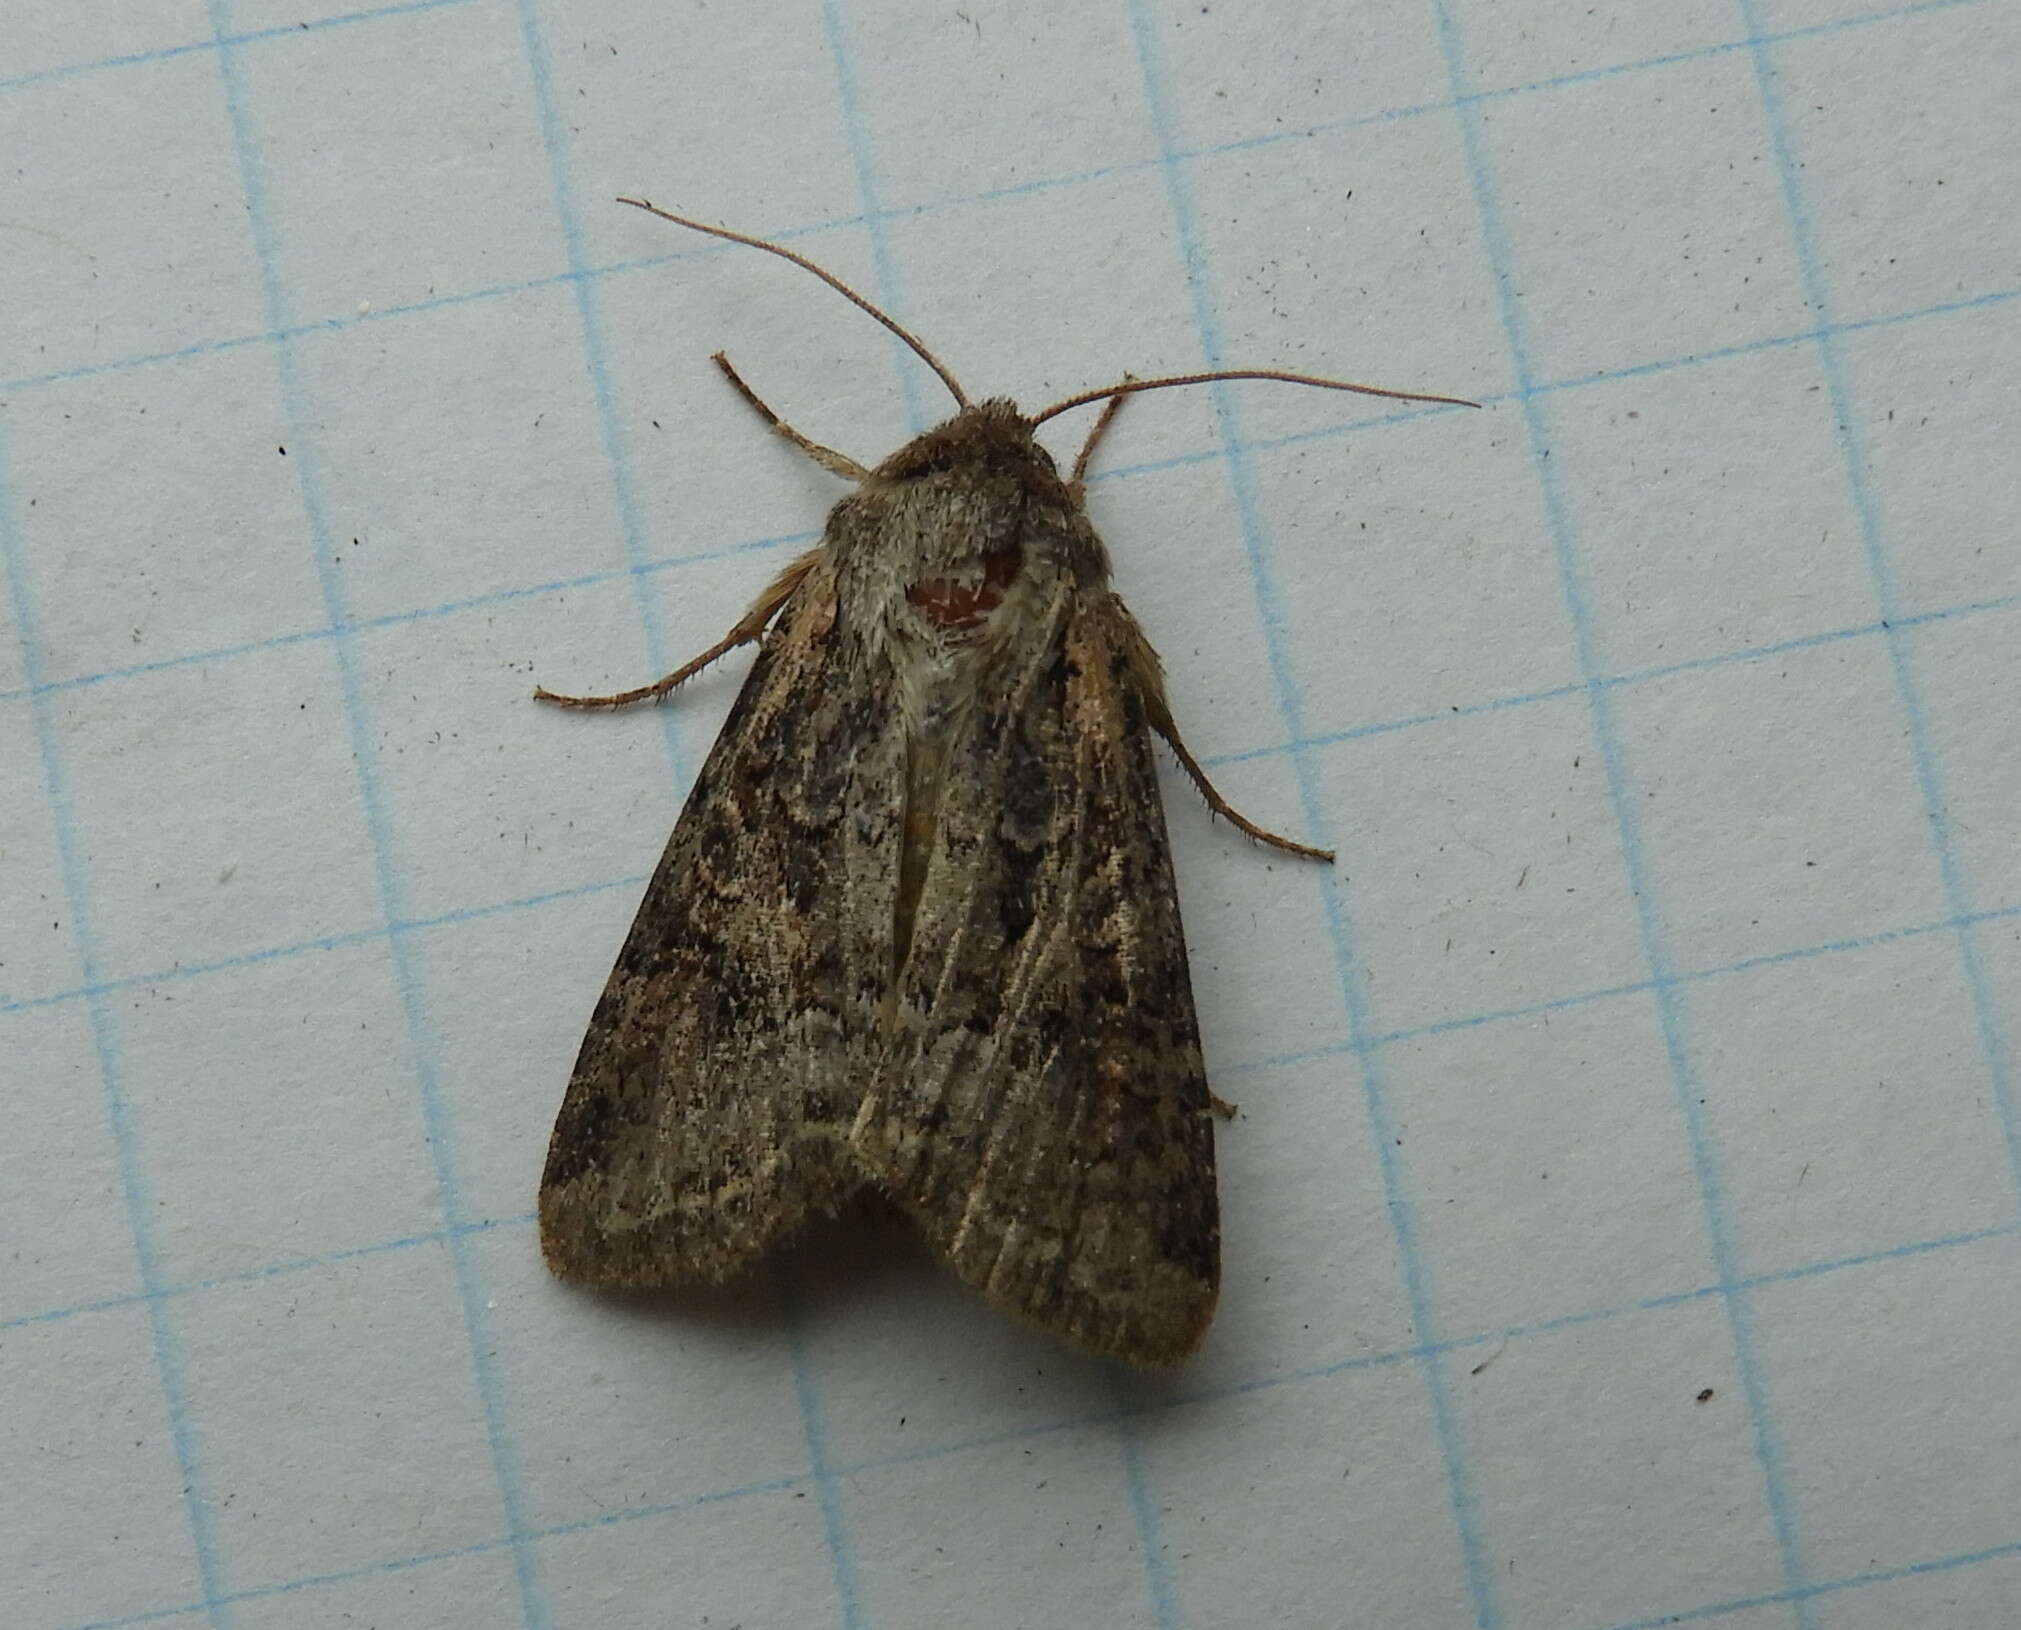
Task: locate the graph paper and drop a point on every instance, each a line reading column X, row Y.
column 1620, row 1225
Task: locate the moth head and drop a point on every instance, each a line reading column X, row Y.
column 981, row 438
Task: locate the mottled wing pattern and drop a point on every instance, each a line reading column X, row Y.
column 1044, row 1113
column 712, row 1101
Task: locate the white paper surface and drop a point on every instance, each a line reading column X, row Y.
column 1621, row 1226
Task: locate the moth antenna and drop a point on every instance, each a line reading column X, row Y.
column 1129, row 387
column 834, row 282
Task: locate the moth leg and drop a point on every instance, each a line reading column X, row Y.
column 1077, row 482
column 1222, row 1108
column 1187, row 762
column 1150, row 678
column 835, row 463
column 749, row 627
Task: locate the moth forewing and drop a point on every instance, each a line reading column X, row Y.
column 916, row 930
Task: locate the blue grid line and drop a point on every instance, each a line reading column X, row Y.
column 1689, row 976
column 328, row 942
column 1383, row 727
column 298, row 416
column 454, row 1553
column 168, row 53
column 1807, row 335
column 596, row 357
column 1379, row 727
column 429, row 613
column 1549, row 386
column 165, row 1341
column 1603, row 993
column 873, row 218
column 1837, row 25
column 1584, row 76
column 1236, row 1068
column 1698, row 1615
column 814, row 1429
column 1340, row 927
column 1161, row 1590
column 1807, row 1270
column 647, row 263
column 807, row 1393
column 1618, row 681
column 1594, row 1315
column 1803, row 1595
column 1125, row 472
column 1235, row 1071
column 1874, row 542
column 1743, row 655
column 270, row 1270
column 1641, row 881
column 871, row 213
column 1125, row 1412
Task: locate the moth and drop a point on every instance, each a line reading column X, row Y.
column 915, row 933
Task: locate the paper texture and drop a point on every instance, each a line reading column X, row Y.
column 1621, row 1224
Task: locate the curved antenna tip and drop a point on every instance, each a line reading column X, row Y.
column 918, row 349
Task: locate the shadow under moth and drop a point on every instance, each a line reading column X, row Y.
column 916, row 932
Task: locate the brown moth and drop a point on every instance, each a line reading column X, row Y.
column 916, row 932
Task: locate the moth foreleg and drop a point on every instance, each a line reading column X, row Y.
column 1150, row 678
column 749, row 627
column 1187, row 762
